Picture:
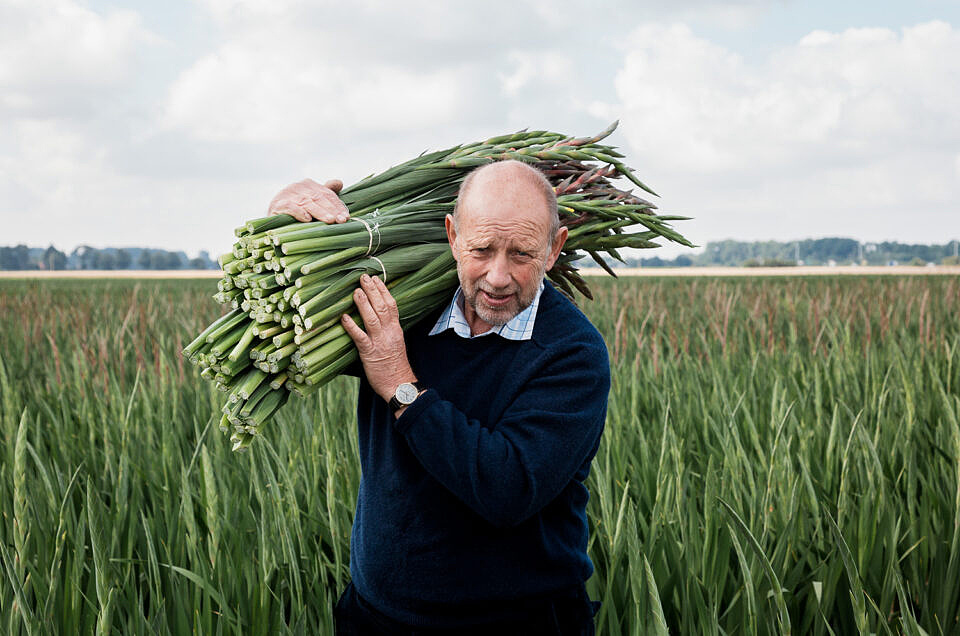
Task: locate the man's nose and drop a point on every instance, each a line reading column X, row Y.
column 498, row 276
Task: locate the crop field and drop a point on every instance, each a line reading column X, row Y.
column 782, row 455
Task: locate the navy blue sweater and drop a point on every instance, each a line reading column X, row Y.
column 473, row 503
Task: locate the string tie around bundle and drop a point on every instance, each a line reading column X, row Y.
column 370, row 231
column 382, row 268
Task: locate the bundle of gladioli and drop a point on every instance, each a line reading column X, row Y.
column 287, row 283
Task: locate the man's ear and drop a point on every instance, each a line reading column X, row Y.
column 451, row 226
column 558, row 240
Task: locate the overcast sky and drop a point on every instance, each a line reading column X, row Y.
column 166, row 124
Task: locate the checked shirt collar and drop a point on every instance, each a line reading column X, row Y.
column 520, row 327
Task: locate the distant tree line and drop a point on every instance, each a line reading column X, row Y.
column 22, row 257
column 825, row 251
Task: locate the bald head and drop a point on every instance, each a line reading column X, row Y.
column 505, row 235
column 512, row 180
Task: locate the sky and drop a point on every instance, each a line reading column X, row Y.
column 167, row 124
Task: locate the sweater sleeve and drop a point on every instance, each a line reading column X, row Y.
column 507, row 471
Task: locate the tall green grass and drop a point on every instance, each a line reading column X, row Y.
column 781, row 455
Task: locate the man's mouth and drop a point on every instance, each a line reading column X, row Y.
column 496, row 300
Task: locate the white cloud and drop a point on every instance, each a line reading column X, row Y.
column 55, row 52
column 839, row 133
column 259, row 89
column 534, row 68
column 843, row 94
column 230, row 12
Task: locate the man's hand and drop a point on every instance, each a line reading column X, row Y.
column 308, row 200
column 381, row 347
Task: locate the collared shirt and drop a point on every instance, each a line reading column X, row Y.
column 520, row 327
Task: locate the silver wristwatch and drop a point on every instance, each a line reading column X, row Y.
column 405, row 394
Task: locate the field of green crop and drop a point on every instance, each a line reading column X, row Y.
column 781, row 455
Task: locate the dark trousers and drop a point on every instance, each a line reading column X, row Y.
column 354, row 616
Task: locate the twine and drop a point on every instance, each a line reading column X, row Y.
column 370, row 230
column 384, row 269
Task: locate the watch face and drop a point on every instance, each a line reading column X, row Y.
column 406, row 393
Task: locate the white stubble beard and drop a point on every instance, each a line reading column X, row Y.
column 498, row 317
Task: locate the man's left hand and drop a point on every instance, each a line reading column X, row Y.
column 381, row 347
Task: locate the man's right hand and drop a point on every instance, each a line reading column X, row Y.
column 308, row 200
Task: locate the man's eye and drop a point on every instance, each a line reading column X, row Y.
column 479, row 250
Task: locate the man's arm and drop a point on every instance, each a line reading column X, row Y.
column 511, row 471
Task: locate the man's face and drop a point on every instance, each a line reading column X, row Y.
column 502, row 246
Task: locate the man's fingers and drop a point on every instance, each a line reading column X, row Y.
column 377, row 301
column 332, row 202
column 388, row 298
column 367, row 312
column 320, row 213
column 295, row 211
column 334, row 184
column 358, row 335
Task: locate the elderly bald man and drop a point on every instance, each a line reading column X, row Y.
column 476, row 429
